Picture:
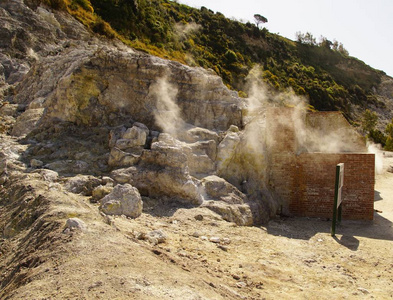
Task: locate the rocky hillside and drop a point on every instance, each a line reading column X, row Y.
column 322, row 72
column 98, row 142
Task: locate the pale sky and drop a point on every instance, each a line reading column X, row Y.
column 364, row 27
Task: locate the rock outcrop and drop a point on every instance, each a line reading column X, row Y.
column 123, row 200
column 87, row 108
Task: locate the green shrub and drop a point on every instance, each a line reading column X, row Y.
column 389, row 144
column 377, row 137
column 231, row 48
column 103, row 28
column 85, row 4
column 230, row 56
column 369, row 121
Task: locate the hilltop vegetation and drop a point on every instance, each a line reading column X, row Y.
column 325, row 74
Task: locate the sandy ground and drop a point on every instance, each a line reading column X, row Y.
column 204, row 257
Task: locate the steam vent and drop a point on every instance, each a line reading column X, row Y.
column 304, row 149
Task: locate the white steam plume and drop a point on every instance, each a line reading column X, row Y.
column 376, row 150
column 257, row 90
column 309, row 139
column 168, row 113
column 184, row 30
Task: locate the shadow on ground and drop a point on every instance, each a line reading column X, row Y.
column 377, row 196
column 163, row 207
column 305, row 228
column 350, row 242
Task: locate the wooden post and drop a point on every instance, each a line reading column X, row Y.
column 337, row 210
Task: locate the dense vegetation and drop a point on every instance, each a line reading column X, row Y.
column 323, row 72
column 330, row 78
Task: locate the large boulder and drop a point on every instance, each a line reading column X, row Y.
column 217, row 188
column 27, row 120
column 227, row 150
column 240, row 214
column 127, row 145
column 163, row 170
column 120, row 158
column 156, row 182
column 123, row 200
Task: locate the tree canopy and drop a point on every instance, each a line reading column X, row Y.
column 259, row 19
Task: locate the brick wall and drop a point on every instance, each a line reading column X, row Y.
column 304, row 182
column 313, row 186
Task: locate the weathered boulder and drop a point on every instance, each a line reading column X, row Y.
column 226, row 150
column 119, row 158
column 197, row 134
column 47, row 175
column 217, row 188
column 127, row 145
column 242, row 158
column 123, row 200
column 167, row 153
column 27, row 120
column 237, row 213
column 200, row 165
column 75, row 224
column 82, row 184
column 156, row 182
column 163, row 170
column 137, row 133
column 100, row 192
column 196, row 158
column 201, row 158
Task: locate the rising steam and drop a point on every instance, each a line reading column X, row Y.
column 184, row 30
column 167, row 114
column 308, row 138
column 376, row 150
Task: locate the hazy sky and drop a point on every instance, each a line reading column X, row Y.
column 365, row 27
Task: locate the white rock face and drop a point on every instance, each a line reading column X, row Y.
column 73, row 91
column 123, row 200
column 226, row 149
column 79, row 94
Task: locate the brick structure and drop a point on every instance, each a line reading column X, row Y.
column 304, row 181
column 313, row 185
